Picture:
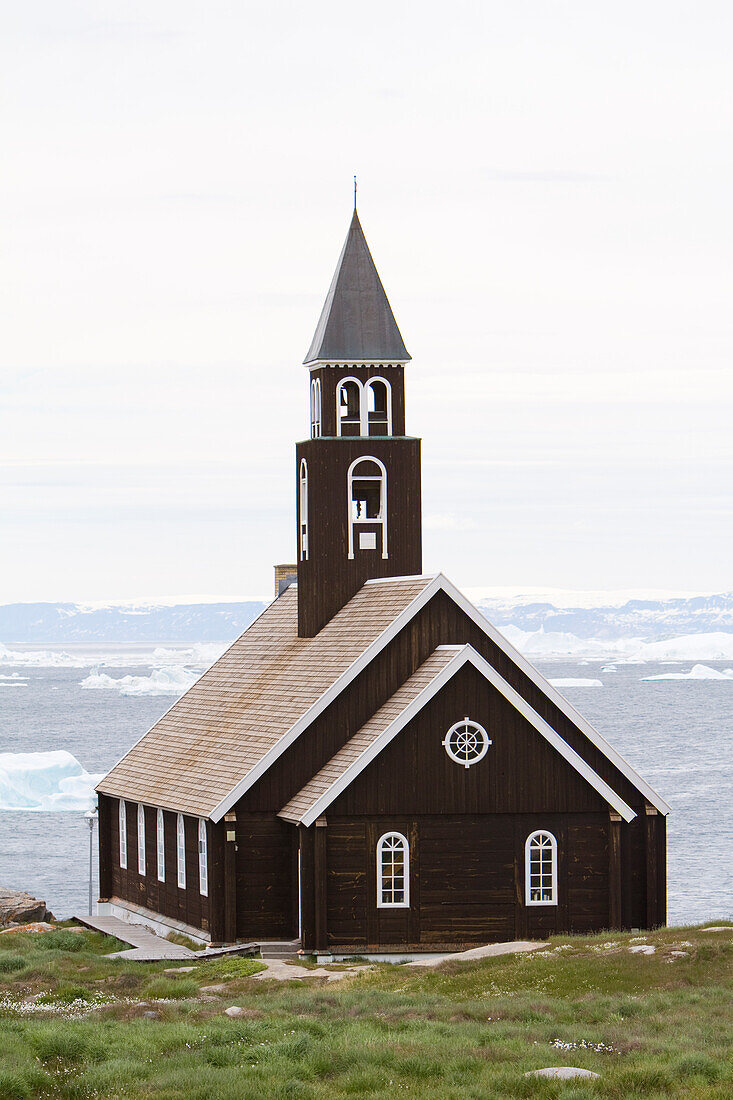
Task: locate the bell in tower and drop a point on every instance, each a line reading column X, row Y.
column 359, row 509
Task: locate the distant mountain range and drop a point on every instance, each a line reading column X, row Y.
column 220, row 622
column 651, row 620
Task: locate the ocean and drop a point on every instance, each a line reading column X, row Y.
column 677, row 734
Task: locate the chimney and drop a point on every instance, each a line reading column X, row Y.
column 285, row 575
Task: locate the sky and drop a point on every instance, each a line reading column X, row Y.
column 545, row 188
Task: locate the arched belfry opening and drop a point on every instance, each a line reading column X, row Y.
column 363, row 470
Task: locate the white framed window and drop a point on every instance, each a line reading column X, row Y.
column 160, row 844
column 303, row 509
column 349, row 403
column 540, row 868
column 364, row 408
column 315, row 408
column 203, row 859
column 393, row 872
column 367, row 502
column 466, row 743
column 181, row 851
column 140, row 839
column 378, row 407
column 123, row 833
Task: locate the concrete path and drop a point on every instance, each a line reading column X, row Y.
column 489, row 950
column 146, row 946
column 283, row 972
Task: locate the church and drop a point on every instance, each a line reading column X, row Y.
column 371, row 767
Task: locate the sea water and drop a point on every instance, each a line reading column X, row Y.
column 677, row 734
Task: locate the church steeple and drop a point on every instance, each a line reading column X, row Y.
column 356, row 320
column 358, row 475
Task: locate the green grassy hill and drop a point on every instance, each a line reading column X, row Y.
column 73, row 1024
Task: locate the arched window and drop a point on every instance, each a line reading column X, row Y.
column 181, row 851
column 315, row 408
column 367, row 504
column 140, row 838
column 348, row 407
column 203, row 859
column 393, row 872
column 160, row 844
column 379, row 407
column 303, row 510
column 540, row 869
column 123, row 833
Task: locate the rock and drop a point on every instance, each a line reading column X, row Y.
column 679, row 954
column 234, row 1010
column 718, row 928
column 643, row 949
column 180, row 970
column 220, row 988
column 36, row 926
column 17, row 907
column 151, row 1015
column 562, row 1072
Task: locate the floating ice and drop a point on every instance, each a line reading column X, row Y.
column 717, row 646
column 697, row 672
column 576, row 682
column 548, row 643
column 42, row 658
column 161, row 681
column 43, row 781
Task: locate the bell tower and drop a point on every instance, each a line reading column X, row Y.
column 359, row 507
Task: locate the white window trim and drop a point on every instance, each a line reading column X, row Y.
column 454, row 729
column 160, row 844
column 141, row 839
column 303, row 510
column 123, row 832
column 364, row 388
column 527, row 851
column 203, row 859
column 181, row 851
column 316, row 406
column 379, row 521
column 406, row 849
column 339, row 417
column 368, row 386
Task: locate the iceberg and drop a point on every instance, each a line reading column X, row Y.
column 44, row 781
column 41, row 658
column 576, row 682
column 549, row 643
column 697, row 672
column 717, row 646
column 161, row 681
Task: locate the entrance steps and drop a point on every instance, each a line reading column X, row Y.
column 279, row 949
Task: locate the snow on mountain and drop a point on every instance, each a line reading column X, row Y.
column 48, row 623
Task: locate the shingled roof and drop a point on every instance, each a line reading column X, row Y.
column 253, row 702
column 357, row 323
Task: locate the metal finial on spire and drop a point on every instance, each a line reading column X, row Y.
column 354, row 192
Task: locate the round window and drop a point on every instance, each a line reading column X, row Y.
column 466, row 742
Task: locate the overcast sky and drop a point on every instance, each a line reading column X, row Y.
column 546, row 189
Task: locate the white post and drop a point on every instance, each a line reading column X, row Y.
column 91, row 816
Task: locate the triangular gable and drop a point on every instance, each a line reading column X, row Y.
column 434, row 585
column 313, row 801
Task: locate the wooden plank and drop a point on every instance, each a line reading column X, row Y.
column 230, row 877
column 320, row 869
column 614, row 871
column 652, row 863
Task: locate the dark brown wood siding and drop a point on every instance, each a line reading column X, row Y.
column 330, row 378
column 266, row 877
column 329, row 578
column 167, row 898
column 467, row 880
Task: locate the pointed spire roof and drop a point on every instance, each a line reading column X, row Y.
column 357, row 322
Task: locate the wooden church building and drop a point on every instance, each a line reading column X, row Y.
column 371, row 767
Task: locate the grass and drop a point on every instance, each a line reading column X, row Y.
column 73, row 1024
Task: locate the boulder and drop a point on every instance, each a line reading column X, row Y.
column 17, row 907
